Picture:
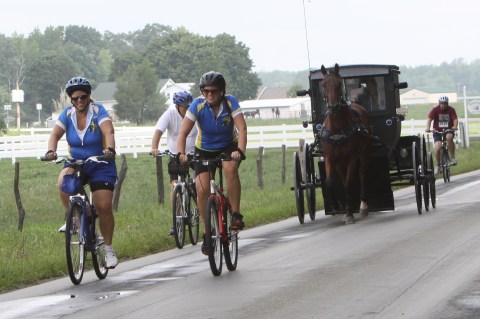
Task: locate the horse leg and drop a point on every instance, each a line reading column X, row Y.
column 363, row 184
column 330, row 185
column 344, row 173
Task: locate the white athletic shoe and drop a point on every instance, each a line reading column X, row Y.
column 437, row 170
column 111, row 260
column 63, row 228
column 453, row 161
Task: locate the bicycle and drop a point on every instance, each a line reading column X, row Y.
column 445, row 161
column 81, row 235
column 184, row 206
column 220, row 239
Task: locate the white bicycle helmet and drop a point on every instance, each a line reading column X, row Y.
column 443, row 99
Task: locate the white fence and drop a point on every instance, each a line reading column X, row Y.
column 135, row 140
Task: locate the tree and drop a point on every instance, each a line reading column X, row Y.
column 137, row 95
column 292, row 91
column 43, row 78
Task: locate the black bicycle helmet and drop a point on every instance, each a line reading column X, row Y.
column 78, row 84
column 214, row 79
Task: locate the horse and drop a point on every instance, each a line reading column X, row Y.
column 251, row 114
column 346, row 141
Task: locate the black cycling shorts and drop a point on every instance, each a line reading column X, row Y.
column 200, row 167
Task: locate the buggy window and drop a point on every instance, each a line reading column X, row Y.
column 367, row 91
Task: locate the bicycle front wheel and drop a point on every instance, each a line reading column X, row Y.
column 193, row 218
column 177, row 216
column 98, row 252
column 445, row 158
column 230, row 245
column 74, row 243
column 212, row 237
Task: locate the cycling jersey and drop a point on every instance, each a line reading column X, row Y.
column 214, row 133
column 171, row 120
column 89, row 141
column 442, row 119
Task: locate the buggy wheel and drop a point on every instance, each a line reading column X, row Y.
column 193, row 218
column 297, row 184
column 416, row 178
column 178, row 221
column 213, row 238
column 98, row 253
column 423, row 173
column 310, row 179
column 431, row 179
column 75, row 243
column 230, row 245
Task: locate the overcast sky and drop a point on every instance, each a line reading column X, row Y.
column 403, row 32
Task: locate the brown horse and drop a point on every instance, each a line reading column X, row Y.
column 346, row 141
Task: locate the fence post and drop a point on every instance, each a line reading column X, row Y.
column 18, row 200
column 160, row 188
column 283, row 162
column 260, row 167
column 118, row 187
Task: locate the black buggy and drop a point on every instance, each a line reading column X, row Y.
column 395, row 160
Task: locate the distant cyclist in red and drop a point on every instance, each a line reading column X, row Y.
column 443, row 117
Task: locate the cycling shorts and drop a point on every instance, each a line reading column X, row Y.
column 201, row 168
column 438, row 137
column 99, row 175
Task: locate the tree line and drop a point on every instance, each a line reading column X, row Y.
column 42, row 62
column 446, row 77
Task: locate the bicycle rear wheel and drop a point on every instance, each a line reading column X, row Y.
column 212, row 237
column 177, row 216
column 193, row 218
column 74, row 243
column 98, row 252
column 230, row 245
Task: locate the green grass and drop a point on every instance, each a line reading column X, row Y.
column 37, row 253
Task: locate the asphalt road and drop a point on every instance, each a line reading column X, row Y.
column 395, row 264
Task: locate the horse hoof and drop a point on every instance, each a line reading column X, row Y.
column 349, row 219
column 364, row 213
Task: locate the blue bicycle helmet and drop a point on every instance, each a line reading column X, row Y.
column 78, row 84
column 182, row 98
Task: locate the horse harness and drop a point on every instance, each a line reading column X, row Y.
column 356, row 128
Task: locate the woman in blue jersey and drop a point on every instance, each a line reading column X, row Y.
column 221, row 129
column 89, row 132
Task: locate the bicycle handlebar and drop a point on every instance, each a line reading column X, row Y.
column 444, row 132
column 75, row 162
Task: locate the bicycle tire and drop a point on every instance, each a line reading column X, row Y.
column 230, row 244
column 74, row 243
column 445, row 159
column 193, row 217
column 178, row 214
column 212, row 237
column 98, row 252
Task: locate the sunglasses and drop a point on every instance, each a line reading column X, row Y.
column 80, row 97
column 214, row 91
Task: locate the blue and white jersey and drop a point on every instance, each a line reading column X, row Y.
column 89, row 141
column 214, row 133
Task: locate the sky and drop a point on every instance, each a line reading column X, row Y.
column 286, row 35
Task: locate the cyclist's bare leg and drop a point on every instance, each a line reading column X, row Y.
column 102, row 199
column 234, row 190
column 202, row 182
column 451, row 145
